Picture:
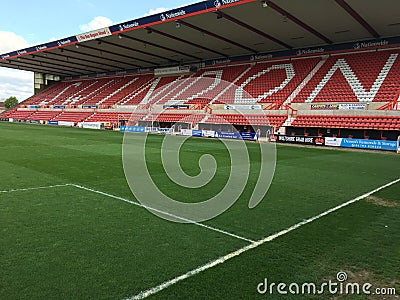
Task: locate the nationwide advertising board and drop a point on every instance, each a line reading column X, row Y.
column 320, row 50
column 191, row 10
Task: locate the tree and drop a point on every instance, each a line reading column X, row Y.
column 11, row 102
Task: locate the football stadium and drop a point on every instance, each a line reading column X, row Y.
column 227, row 149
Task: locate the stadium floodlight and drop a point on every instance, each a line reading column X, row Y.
column 264, row 4
column 177, row 24
column 119, row 36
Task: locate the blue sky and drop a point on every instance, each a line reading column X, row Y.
column 26, row 23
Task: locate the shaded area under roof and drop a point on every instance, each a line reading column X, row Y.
column 209, row 30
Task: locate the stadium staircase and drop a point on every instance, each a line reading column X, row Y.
column 84, row 91
column 73, row 117
column 44, row 115
column 113, row 97
column 227, row 94
column 361, row 77
column 305, row 81
column 138, row 94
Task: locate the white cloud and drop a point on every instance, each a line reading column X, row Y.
column 14, row 82
column 155, row 11
column 159, row 10
column 9, row 41
column 96, row 23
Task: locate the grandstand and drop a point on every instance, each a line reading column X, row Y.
column 319, row 85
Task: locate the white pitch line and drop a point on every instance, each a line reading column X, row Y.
column 36, row 188
column 223, row 259
column 165, row 213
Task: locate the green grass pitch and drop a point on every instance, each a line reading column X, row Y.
column 65, row 242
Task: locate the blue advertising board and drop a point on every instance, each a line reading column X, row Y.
column 228, row 135
column 197, row 133
column 174, row 14
column 248, row 136
column 171, row 15
column 132, row 129
column 322, row 50
column 369, row 144
column 201, row 8
column 40, row 48
column 52, row 123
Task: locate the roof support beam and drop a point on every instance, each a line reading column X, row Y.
column 343, row 4
column 71, row 59
column 42, row 62
column 297, row 21
column 158, row 46
column 255, row 30
column 216, row 36
column 35, row 68
column 151, row 30
column 96, row 62
column 112, row 53
column 139, row 51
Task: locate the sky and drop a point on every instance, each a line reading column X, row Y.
column 27, row 23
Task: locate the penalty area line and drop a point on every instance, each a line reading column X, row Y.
column 165, row 213
column 35, row 188
column 223, row 259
